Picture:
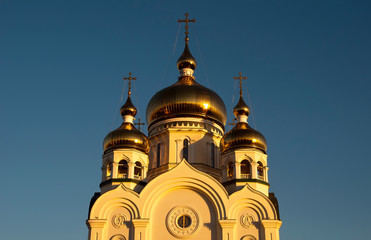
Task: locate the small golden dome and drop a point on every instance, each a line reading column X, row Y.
column 241, row 108
column 126, row 136
column 186, row 98
column 186, row 60
column 243, row 136
column 128, row 108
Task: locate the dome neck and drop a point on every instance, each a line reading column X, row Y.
column 242, row 119
column 128, row 119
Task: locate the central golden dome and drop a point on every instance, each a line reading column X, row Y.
column 186, row 98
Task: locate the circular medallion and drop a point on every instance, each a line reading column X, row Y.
column 246, row 220
column 118, row 220
column 182, row 222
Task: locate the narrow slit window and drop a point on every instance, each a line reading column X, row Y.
column 230, row 170
column 212, row 154
column 185, row 149
column 158, row 154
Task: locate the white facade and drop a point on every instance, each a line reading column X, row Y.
column 180, row 183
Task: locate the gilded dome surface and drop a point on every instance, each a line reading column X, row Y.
column 241, row 108
column 128, row 108
column 126, row 136
column 243, row 136
column 186, row 98
column 186, row 60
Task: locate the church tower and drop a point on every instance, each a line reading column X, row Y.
column 243, row 151
column 188, row 179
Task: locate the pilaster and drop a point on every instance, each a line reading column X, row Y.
column 227, row 226
column 140, row 228
column 191, row 148
column 271, row 229
column 254, row 170
column 266, row 173
column 237, row 167
column 115, row 167
column 131, row 170
column 96, row 228
column 179, row 145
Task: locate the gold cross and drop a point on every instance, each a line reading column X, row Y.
column 129, row 79
column 241, row 78
column 233, row 123
column 186, row 20
column 139, row 123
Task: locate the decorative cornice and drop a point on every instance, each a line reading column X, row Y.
column 227, row 223
column 96, row 223
column 195, row 125
column 245, row 180
column 272, row 223
column 122, row 180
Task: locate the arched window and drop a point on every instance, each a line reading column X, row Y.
column 185, row 149
column 230, row 170
column 123, row 169
column 138, row 170
column 118, row 237
column 158, row 156
column 245, row 169
column 212, row 154
column 260, row 171
column 108, row 171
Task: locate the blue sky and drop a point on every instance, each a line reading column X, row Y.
column 308, row 68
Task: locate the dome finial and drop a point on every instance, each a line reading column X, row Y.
column 241, row 110
column 129, row 79
column 139, row 123
column 186, row 20
column 186, row 62
column 240, row 78
column 128, row 110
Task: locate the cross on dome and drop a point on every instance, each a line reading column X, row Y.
column 186, row 20
column 233, row 123
column 240, row 78
column 129, row 79
column 139, row 123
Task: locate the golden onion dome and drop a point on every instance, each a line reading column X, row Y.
column 186, row 60
column 243, row 136
column 128, row 108
column 126, row 136
column 241, row 108
column 186, row 98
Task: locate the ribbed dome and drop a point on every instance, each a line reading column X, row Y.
column 243, row 136
column 186, row 98
column 126, row 136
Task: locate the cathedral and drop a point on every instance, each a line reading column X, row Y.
column 188, row 179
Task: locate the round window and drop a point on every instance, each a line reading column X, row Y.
column 184, row 221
